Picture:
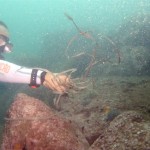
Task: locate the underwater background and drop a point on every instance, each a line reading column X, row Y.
column 43, row 36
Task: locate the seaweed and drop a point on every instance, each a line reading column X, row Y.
column 93, row 59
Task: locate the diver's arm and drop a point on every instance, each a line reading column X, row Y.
column 13, row 73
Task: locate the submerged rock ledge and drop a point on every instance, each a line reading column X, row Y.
column 31, row 124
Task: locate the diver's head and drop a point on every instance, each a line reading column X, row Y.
column 5, row 45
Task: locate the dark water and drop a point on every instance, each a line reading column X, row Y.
column 40, row 33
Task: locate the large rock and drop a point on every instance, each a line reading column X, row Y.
column 128, row 131
column 33, row 125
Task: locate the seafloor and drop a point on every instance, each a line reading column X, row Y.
column 112, row 113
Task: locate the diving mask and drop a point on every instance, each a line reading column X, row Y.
column 7, row 46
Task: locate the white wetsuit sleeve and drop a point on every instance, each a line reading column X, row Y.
column 13, row 73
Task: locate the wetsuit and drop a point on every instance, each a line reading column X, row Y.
column 13, row 73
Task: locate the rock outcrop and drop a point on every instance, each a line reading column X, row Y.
column 32, row 125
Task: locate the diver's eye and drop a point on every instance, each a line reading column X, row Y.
column 4, row 38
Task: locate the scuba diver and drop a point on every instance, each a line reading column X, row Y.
column 35, row 77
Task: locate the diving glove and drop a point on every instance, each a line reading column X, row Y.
column 58, row 83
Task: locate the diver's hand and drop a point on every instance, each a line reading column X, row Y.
column 58, row 83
